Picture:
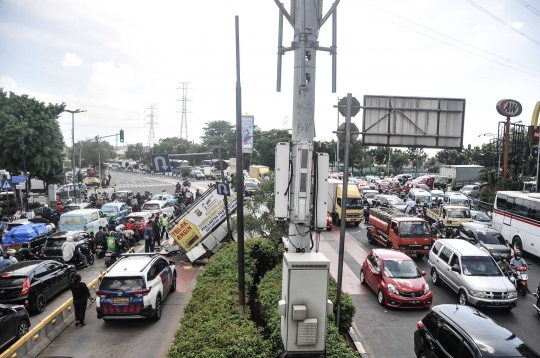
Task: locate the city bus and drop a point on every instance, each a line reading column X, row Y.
column 516, row 216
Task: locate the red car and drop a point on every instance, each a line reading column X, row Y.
column 396, row 279
column 141, row 219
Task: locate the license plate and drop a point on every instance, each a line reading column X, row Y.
column 497, row 303
column 414, row 251
column 414, row 302
column 120, row 300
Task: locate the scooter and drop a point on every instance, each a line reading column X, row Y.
column 110, row 258
column 521, row 278
column 100, row 251
column 76, row 261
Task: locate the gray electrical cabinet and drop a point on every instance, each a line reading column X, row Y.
column 304, row 306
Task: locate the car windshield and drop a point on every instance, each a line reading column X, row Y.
column 423, row 198
column 369, row 195
column 71, row 220
column 109, row 209
column 124, row 284
column 159, row 197
column 468, row 187
column 138, row 219
column 441, row 180
column 459, row 201
column 479, row 266
column 480, row 216
column 150, row 207
column 459, row 213
column 354, row 204
column 395, row 201
column 401, row 269
column 250, row 185
column 414, row 229
column 491, row 237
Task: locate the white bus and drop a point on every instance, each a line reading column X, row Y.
column 516, row 216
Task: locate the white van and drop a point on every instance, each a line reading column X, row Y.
column 420, row 194
column 82, row 220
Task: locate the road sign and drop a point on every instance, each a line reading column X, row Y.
column 341, row 132
column 221, row 165
column 161, row 163
column 19, row 186
column 509, row 108
column 18, row 179
column 223, row 152
column 6, row 185
column 342, row 107
column 223, row 188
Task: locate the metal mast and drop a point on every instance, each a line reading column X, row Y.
column 152, row 121
column 183, row 123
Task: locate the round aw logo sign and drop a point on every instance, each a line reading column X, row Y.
column 509, row 108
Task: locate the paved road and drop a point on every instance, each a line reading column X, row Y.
column 387, row 332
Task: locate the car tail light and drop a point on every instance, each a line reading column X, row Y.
column 101, row 294
column 6, row 276
column 25, row 287
column 43, row 250
column 143, row 292
column 419, row 325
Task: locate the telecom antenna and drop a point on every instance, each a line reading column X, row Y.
column 152, row 122
column 183, row 123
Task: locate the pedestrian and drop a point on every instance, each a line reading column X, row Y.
column 81, row 294
column 164, row 224
column 148, row 238
column 155, row 232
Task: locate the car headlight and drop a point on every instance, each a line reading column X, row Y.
column 393, row 289
column 512, row 294
column 479, row 294
column 426, row 289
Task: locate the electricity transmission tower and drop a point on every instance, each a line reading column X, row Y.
column 152, row 122
column 183, row 123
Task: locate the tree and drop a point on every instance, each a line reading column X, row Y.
column 220, row 134
column 265, row 146
column 42, row 137
column 416, row 156
column 398, row 160
column 135, row 151
column 379, row 155
column 90, row 155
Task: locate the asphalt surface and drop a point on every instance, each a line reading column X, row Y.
column 388, row 332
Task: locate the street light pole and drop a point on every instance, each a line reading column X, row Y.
column 24, row 166
column 73, row 143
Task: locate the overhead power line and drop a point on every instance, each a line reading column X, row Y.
column 502, row 22
column 449, row 37
column 529, row 7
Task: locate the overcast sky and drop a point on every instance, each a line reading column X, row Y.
column 114, row 58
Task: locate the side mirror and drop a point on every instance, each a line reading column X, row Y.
column 423, row 273
column 455, row 268
column 172, row 263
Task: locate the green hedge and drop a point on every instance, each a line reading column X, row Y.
column 211, row 326
column 269, row 295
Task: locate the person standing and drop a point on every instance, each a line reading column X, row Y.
column 155, row 232
column 81, row 294
column 148, row 238
column 164, row 224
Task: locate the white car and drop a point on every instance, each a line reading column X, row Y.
column 158, row 207
column 135, row 287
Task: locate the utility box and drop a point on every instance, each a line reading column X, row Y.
column 281, row 182
column 321, row 190
column 304, row 305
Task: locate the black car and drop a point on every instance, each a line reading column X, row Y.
column 486, row 238
column 14, row 323
column 69, row 191
column 465, row 332
column 33, row 283
column 52, row 250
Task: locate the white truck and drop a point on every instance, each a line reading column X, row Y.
column 456, row 175
column 211, row 173
column 202, row 227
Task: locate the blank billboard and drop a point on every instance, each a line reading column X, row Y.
column 413, row 122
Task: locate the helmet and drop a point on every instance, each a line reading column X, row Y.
column 440, row 220
column 24, row 244
column 503, row 259
column 45, row 206
column 120, row 227
column 138, row 192
column 131, row 220
column 163, row 190
column 517, row 253
column 5, row 255
column 256, row 247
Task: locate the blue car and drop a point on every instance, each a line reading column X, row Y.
column 118, row 210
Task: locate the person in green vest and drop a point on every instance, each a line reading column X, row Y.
column 115, row 188
column 112, row 245
column 164, row 224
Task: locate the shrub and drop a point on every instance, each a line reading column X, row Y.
column 211, row 326
column 269, row 295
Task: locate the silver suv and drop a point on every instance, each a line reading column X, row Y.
column 471, row 273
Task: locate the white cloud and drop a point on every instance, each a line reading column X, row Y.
column 517, row 25
column 71, row 60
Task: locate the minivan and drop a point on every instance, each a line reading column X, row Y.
column 82, row 220
column 456, row 198
column 472, row 273
column 420, row 194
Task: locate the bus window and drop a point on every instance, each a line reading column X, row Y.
column 501, row 202
column 534, row 210
column 521, row 207
column 510, row 205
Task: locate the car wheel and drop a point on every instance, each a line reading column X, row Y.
column 462, row 298
column 41, row 302
column 435, row 277
column 380, row 297
column 370, row 238
column 22, row 329
column 422, row 355
column 157, row 314
column 90, row 259
column 173, row 285
column 362, row 277
column 517, row 244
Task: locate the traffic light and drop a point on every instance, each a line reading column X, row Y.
column 79, row 178
column 121, row 136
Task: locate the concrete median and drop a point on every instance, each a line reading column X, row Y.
column 40, row 336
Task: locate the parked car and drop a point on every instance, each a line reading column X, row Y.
column 118, row 210
column 472, row 273
column 396, row 279
column 487, row 239
column 135, row 286
column 33, row 283
column 69, row 191
column 157, row 207
column 471, row 190
column 197, row 175
column 480, row 217
column 465, row 332
column 14, row 323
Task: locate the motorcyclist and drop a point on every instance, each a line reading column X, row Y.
column 131, row 225
column 139, row 198
column 178, row 187
column 366, row 214
column 112, row 224
column 69, row 251
column 517, row 260
column 4, row 260
column 101, row 237
column 59, row 208
column 112, row 243
column 76, row 243
column 504, row 265
column 455, row 234
column 197, row 194
column 24, row 252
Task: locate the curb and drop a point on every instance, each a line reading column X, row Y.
column 354, row 338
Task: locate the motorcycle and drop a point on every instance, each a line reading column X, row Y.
column 521, row 278
column 76, row 261
column 110, row 258
column 100, row 251
column 186, row 183
column 537, row 295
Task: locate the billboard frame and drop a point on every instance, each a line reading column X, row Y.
column 394, row 111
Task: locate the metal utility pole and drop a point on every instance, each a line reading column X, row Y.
column 24, row 166
column 183, row 122
column 152, row 122
column 506, row 140
column 73, row 142
column 337, row 154
column 239, row 180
